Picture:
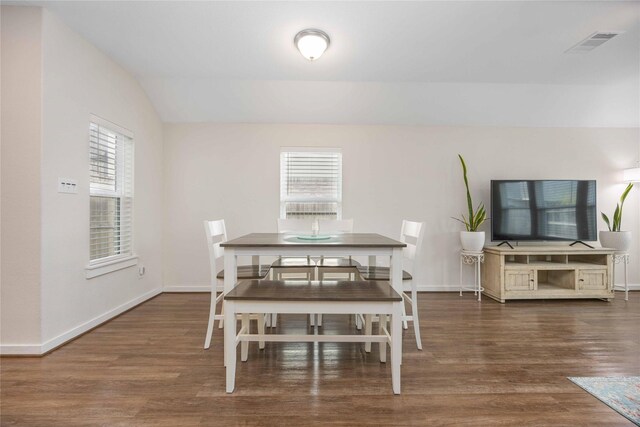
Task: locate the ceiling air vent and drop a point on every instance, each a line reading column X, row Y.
column 593, row 41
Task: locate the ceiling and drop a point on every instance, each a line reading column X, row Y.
column 494, row 63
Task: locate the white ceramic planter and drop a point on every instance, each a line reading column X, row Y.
column 472, row 240
column 618, row 240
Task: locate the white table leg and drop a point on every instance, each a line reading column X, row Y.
column 368, row 330
column 230, row 269
column 230, row 345
column 395, row 274
column 261, row 322
column 396, row 346
column 382, row 322
column 396, row 270
column 255, row 260
column 244, row 345
column 230, row 279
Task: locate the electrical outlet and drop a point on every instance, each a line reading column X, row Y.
column 66, row 185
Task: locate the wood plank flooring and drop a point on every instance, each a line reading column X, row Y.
column 483, row 364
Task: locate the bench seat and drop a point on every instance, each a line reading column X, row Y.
column 304, row 290
column 313, row 297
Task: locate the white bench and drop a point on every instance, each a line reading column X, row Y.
column 312, row 297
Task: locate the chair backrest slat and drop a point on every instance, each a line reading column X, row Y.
column 216, row 233
column 412, row 234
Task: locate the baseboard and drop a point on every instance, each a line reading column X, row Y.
column 438, row 288
column 36, row 350
column 20, row 350
column 187, row 288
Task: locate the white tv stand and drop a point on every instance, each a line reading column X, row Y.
column 541, row 272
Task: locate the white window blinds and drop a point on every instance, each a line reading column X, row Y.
column 310, row 183
column 111, row 192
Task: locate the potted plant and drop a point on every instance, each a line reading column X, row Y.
column 471, row 239
column 614, row 238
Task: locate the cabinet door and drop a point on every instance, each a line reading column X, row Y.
column 519, row 280
column 592, row 279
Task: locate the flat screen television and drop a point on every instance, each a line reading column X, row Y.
column 545, row 210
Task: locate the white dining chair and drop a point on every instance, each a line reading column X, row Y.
column 292, row 267
column 412, row 234
column 216, row 233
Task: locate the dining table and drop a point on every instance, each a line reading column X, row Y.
column 256, row 245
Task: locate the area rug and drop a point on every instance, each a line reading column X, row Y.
column 621, row 394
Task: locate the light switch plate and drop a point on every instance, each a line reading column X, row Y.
column 66, row 185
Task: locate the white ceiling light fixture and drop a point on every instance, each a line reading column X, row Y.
column 311, row 43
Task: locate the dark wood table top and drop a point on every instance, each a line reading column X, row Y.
column 352, row 240
column 304, row 290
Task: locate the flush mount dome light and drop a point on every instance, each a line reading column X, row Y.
column 311, row 43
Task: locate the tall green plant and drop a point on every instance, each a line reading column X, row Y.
column 475, row 217
column 617, row 214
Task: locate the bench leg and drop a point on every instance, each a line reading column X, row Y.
column 396, row 347
column 368, row 328
column 383, row 345
column 230, row 346
column 244, row 345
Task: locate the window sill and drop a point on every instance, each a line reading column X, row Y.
column 96, row 270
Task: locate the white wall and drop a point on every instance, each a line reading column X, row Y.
column 21, row 155
column 390, row 173
column 79, row 80
column 52, row 81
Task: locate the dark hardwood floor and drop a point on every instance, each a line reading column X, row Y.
column 483, row 364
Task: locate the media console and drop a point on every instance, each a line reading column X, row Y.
column 545, row 272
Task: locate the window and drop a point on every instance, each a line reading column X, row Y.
column 111, row 192
column 310, row 183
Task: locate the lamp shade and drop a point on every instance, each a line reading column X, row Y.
column 632, row 175
column 311, row 43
